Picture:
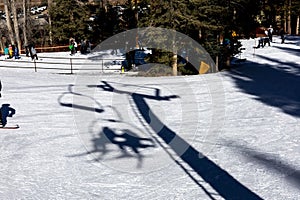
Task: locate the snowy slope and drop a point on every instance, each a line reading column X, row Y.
column 231, row 135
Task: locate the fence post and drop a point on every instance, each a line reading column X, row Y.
column 102, row 66
column 71, row 66
column 34, row 65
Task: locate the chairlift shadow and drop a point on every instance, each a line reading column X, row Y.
column 76, row 106
column 226, row 185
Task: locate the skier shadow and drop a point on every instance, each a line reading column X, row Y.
column 6, row 111
column 127, row 142
column 277, row 86
column 226, row 185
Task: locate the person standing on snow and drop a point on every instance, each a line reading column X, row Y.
column 27, row 50
column 75, row 46
column 270, row 33
column 6, row 111
column 72, row 48
column 32, row 52
column 282, row 33
column 16, row 52
column 82, row 47
column 6, row 52
column 10, row 51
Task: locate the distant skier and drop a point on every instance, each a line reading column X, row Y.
column 262, row 42
column 10, row 51
column 88, row 46
column 282, row 35
column 6, row 52
column 16, row 52
column 32, row 52
column 6, row 111
column 270, row 33
column 27, row 51
column 83, row 47
column 72, row 48
column 75, row 46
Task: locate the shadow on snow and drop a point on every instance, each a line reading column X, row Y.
column 270, row 161
column 290, row 50
column 275, row 85
column 127, row 139
column 226, row 186
column 222, row 182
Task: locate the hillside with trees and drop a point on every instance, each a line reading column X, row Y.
column 209, row 22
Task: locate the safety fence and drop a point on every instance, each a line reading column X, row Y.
column 47, row 49
column 69, row 64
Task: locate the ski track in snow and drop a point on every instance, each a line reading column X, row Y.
column 245, row 121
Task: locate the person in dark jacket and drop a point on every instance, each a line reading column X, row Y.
column 16, row 52
column 32, row 52
column 282, row 35
column 27, row 51
column 6, row 111
column 270, row 33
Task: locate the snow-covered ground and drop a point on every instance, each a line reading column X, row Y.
column 231, row 135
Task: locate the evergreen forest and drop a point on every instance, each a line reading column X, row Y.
column 209, row 22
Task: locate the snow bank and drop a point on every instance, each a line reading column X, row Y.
column 216, row 136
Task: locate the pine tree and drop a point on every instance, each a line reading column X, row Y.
column 206, row 21
column 176, row 15
column 68, row 19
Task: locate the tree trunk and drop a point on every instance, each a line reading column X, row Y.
column 25, row 22
column 174, row 56
column 298, row 25
column 1, row 43
column 174, row 64
column 289, row 27
column 50, row 23
column 136, row 17
column 285, row 21
column 16, row 24
column 8, row 21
